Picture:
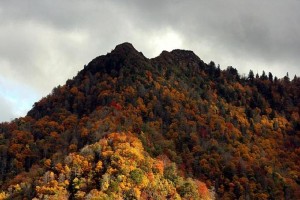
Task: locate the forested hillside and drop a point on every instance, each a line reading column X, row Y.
column 171, row 127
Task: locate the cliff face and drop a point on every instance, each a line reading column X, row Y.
column 233, row 135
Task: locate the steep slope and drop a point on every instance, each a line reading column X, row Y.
column 239, row 135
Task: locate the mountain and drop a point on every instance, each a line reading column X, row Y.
column 170, row 127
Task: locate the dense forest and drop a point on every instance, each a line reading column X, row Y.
column 170, row 127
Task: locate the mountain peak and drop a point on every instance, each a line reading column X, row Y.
column 177, row 56
column 122, row 55
column 126, row 46
column 175, row 107
column 183, row 54
column 126, row 49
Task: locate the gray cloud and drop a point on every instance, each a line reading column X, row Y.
column 43, row 43
column 6, row 110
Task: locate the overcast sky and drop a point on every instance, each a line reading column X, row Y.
column 45, row 42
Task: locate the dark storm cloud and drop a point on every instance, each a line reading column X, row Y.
column 244, row 33
column 43, row 43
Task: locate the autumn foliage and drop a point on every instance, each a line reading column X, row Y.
column 163, row 128
column 116, row 167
